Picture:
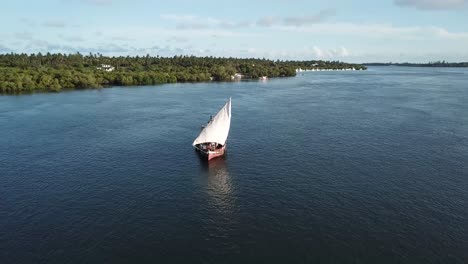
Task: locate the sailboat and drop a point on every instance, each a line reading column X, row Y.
column 211, row 142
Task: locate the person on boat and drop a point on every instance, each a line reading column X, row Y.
column 212, row 146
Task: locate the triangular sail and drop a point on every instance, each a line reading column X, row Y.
column 218, row 129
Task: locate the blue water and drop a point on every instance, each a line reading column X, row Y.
column 326, row 167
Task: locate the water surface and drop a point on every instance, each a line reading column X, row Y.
column 350, row 167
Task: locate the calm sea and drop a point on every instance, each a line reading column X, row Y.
column 326, row 167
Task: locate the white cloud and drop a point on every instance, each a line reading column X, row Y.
column 314, row 24
column 121, row 38
column 432, row 4
column 98, row 2
column 71, row 38
column 268, row 21
column 25, row 35
column 28, row 22
column 309, row 19
column 343, row 52
column 198, row 22
column 191, row 22
column 37, row 45
column 318, row 52
column 251, row 50
column 177, row 39
column 179, row 18
column 297, row 21
column 304, row 53
column 283, row 39
column 164, row 48
column 4, row 49
column 233, row 25
column 54, row 23
column 444, row 33
column 192, row 25
column 149, row 33
column 378, row 31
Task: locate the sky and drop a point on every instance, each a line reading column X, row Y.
column 345, row 30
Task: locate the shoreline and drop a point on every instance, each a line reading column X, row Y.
column 23, row 73
column 425, row 65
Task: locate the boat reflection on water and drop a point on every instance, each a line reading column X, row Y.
column 219, row 187
column 217, row 176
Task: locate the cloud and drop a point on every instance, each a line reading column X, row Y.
column 37, row 45
column 343, row 52
column 98, row 2
column 268, row 21
column 310, row 19
column 296, row 21
column 4, row 49
column 111, row 47
column 318, row 52
column 91, row 2
column 328, row 53
column 233, row 25
column 179, row 18
column 192, row 25
column 25, row 35
column 305, row 53
column 164, row 51
column 177, row 39
column 377, row 31
column 27, row 21
column 54, row 24
column 174, row 48
column 283, row 38
column 432, row 4
column 445, row 34
column 147, row 34
column 72, row 38
column 185, row 22
column 122, row 38
column 251, row 50
column 191, row 22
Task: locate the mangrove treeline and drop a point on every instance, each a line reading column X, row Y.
column 20, row 73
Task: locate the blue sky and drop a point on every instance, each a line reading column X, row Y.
column 354, row 31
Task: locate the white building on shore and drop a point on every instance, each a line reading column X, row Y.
column 106, row 67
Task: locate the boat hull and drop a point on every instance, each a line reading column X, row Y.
column 209, row 155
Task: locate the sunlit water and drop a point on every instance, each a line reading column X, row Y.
column 350, row 167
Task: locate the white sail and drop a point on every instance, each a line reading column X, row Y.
column 218, row 129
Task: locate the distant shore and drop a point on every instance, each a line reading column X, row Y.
column 430, row 64
column 26, row 73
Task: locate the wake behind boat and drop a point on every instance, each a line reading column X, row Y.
column 211, row 142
